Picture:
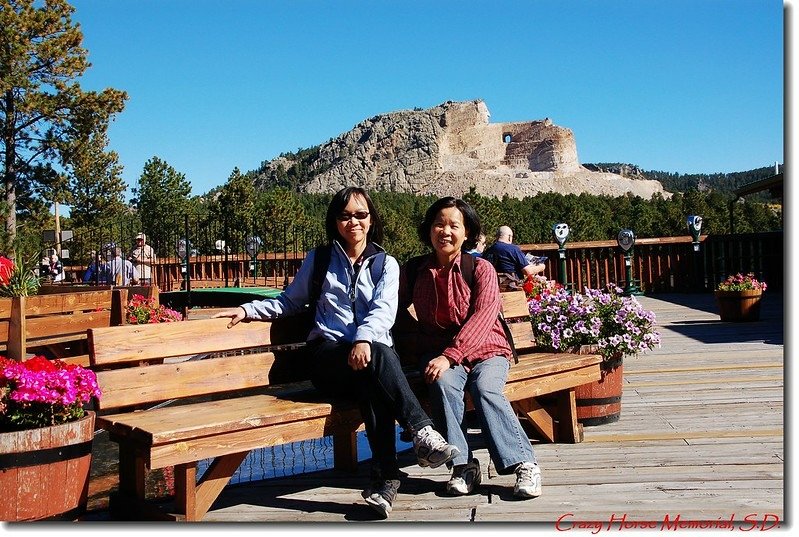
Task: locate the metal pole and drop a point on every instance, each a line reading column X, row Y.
column 225, row 243
column 562, row 265
column 186, row 259
column 629, row 287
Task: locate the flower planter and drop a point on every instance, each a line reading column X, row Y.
column 599, row 402
column 739, row 306
column 44, row 473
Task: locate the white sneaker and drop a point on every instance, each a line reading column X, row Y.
column 465, row 478
column 528, row 481
column 431, row 449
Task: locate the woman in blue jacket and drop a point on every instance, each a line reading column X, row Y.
column 350, row 343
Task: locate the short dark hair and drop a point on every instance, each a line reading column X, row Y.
column 470, row 220
column 336, row 206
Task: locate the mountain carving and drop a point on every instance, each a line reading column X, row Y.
column 447, row 149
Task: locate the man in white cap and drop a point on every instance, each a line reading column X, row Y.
column 143, row 257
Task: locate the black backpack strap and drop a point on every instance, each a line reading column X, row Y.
column 412, row 270
column 320, row 263
column 376, row 267
column 468, row 265
column 509, row 337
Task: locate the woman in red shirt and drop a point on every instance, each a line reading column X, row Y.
column 466, row 349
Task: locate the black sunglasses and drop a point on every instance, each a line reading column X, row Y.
column 359, row 215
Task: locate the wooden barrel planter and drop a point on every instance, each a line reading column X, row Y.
column 599, row 402
column 739, row 306
column 44, row 473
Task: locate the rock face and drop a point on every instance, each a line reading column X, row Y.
column 447, row 149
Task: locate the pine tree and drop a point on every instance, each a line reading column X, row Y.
column 161, row 200
column 97, row 188
column 44, row 113
column 235, row 205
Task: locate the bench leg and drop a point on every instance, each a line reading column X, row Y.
column 129, row 503
column 186, row 490
column 539, row 418
column 213, row 481
column 569, row 430
column 345, row 451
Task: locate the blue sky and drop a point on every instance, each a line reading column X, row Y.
column 689, row 86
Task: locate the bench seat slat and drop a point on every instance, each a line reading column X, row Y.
column 180, row 423
column 203, row 447
column 552, row 382
column 542, row 364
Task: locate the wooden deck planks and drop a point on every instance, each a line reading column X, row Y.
column 701, row 436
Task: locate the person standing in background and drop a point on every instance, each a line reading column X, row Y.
column 97, row 270
column 121, row 271
column 55, row 270
column 143, row 257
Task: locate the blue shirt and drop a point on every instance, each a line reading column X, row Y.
column 351, row 307
column 507, row 258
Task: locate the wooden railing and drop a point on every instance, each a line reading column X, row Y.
column 669, row 264
column 661, row 264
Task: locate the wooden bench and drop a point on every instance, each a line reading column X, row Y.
column 54, row 323
column 225, row 405
column 244, row 394
column 541, row 386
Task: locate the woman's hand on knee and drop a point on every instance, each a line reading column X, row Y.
column 435, row 368
column 236, row 316
column 360, row 355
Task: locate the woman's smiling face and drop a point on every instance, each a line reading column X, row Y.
column 354, row 221
column 448, row 233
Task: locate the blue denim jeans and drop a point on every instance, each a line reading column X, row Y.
column 381, row 391
column 508, row 445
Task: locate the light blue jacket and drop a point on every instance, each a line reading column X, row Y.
column 351, row 308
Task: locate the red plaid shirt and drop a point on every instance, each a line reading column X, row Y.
column 474, row 332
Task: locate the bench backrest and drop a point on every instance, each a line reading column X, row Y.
column 151, row 363
column 35, row 321
column 517, row 314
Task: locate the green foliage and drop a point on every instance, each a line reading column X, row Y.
column 235, row 205
column 280, row 218
column 97, row 186
column 161, row 197
column 720, row 182
column 303, row 166
column 45, row 116
column 23, row 279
